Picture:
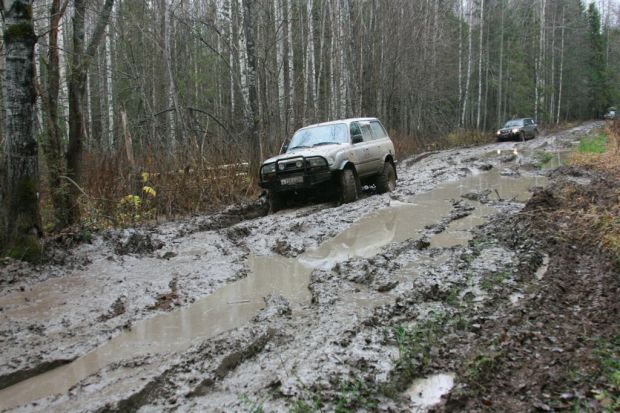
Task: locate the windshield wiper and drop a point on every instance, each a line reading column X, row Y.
column 326, row 143
column 297, row 147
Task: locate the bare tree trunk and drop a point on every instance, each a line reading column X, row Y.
column 310, row 67
column 460, row 75
column 252, row 120
column 174, row 93
column 501, row 70
column 469, row 59
column 539, row 83
column 287, row 65
column 20, row 219
column 480, row 65
column 552, row 80
column 557, row 116
column 80, row 62
column 52, row 143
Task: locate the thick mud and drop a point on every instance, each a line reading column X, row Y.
column 315, row 308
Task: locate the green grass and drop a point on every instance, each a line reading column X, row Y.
column 593, row 144
column 355, row 395
column 609, row 357
column 542, row 157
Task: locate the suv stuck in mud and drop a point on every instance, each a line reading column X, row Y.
column 339, row 155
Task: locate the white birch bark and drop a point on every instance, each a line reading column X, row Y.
column 289, row 56
column 539, row 78
column 468, row 76
column 243, row 58
column 557, row 116
column 278, row 22
column 109, row 95
column 460, row 75
column 310, row 64
column 20, row 221
column 480, row 48
column 500, row 80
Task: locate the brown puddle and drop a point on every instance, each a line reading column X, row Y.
column 237, row 303
column 47, row 296
column 231, row 306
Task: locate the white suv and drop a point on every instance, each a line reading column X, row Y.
column 340, row 155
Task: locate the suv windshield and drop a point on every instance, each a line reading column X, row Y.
column 319, row 135
column 513, row 123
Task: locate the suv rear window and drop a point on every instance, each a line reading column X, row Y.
column 377, row 130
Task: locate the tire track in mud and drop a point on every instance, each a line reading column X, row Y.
column 330, row 286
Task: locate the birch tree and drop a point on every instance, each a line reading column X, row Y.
column 252, row 115
column 20, row 219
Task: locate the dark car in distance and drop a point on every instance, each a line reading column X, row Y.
column 520, row 129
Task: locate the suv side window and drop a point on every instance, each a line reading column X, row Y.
column 377, row 130
column 355, row 129
column 366, row 133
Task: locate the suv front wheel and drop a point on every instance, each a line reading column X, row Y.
column 348, row 186
column 386, row 181
column 277, row 201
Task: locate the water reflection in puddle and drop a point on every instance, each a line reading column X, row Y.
column 236, row 304
column 427, row 392
column 557, row 159
column 231, row 306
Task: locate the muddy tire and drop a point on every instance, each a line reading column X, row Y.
column 277, row 201
column 347, row 186
column 386, row 182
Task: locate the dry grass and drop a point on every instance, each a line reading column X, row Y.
column 157, row 187
column 607, row 162
column 600, row 220
column 161, row 187
column 410, row 145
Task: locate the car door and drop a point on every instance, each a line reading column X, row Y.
column 360, row 150
column 529, row 127
column 380, row 145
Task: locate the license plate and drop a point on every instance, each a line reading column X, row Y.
column 292, row 180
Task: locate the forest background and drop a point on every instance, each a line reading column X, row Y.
column 156, row 108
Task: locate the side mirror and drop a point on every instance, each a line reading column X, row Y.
column 357, row 139
column 284, row 148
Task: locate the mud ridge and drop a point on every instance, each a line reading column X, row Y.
column 24, row 374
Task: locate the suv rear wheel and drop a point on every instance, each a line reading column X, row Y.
column 386, row 181
column 348, row 186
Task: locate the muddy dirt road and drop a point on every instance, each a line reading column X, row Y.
column 365, row 306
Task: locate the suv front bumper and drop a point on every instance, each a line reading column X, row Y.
column 295, row 173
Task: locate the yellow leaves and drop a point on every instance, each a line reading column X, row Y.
column 147, row 190
column 145, row 176
column 133, row 208
column 131, row 200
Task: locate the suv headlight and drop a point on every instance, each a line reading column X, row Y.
column 316, row 161
column 515, row 130
column 270, row 168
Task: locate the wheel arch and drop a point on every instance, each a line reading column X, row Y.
column 346, row 164
column 389, row 158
